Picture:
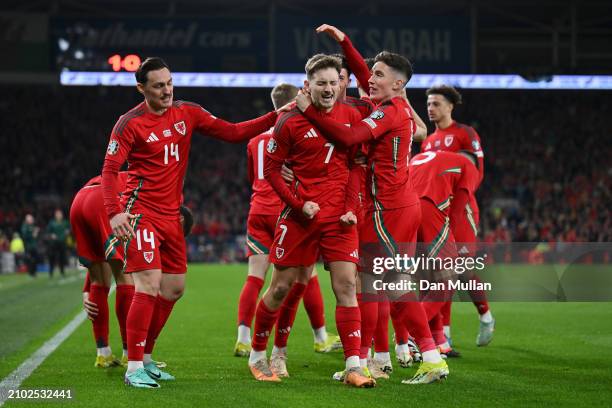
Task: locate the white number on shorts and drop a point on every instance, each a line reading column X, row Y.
column 260, row 160
column 282, row 237
column 173, row 152
column 430, row 156
column 146, row 237
column 330, row 146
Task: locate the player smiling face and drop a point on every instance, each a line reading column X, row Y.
column 158, row 90
column 324, row 88
column 385, row 82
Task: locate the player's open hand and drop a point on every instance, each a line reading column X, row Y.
column 303, row 100
column 332, row 31
column 310, row 209
column 287, row 174
column 120, row 224
column 348, row 219
column 90, row 307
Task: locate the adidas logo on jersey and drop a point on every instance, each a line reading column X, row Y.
column 355, row 254
column 152, row 138
column 311, row 133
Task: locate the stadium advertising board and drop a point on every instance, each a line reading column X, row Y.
column 434, row 44
column 212, row 44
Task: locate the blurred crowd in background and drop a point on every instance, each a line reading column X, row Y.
column 548, row 174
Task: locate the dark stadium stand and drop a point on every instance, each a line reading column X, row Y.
column 547, row 176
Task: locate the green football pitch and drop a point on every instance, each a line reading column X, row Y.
column 554, row 354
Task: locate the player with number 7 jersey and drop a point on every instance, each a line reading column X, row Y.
column 155, row 138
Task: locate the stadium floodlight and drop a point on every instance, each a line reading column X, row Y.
column 419, row 81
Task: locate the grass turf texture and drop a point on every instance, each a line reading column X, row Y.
column 559, row 354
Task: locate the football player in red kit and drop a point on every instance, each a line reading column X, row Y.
column 445, row 182
column 155, row 138
column 393, row 211
column 319, row 217
column 263, row 215
column 454, row 136
column 93, row 236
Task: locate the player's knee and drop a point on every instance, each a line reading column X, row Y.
column 280, row 291
column 344, row 289
column 174, row 293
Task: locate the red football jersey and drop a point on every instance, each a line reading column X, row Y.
column 121, row 181
column 363, row 105
column 264, row 200
column 439, row 175
column 387, row 183
column 454, row 138
column 157, row 148
column 321, row 168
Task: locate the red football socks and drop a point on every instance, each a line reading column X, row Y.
column 479, row 298
column 437, row 329
column 248, row 300
column 401, row 332
column 161, row 313
column 446, row 313
column 412, row 314
column 348, row 323
column 287, row 314
column 99, row 295
column 381, row 334
column 369, row 317
column 123, row 301
column 264, row 322
column 138, row 322
column 313, row 303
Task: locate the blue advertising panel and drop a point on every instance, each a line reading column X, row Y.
column 433, row 44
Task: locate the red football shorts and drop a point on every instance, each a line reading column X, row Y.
column 298, row 242
column 435, row 232
column 466, row 232
column 388, row 233
column 260, row 233
column 91, row 228
column 159, row 244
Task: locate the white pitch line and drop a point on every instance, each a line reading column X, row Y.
column 13, row 380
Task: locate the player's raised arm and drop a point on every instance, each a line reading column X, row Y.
column 220, row 129
column 355, row 61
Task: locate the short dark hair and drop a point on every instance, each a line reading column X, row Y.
column 397, row 62
column 369, row 62
column 148, row 65
column 321, row 61
column 282, row 94
column 447, row 91
column 343, row 63
column 187, row 220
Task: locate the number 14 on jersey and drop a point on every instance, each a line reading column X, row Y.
column 170, row 151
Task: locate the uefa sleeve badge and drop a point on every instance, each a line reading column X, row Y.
column 113, row 147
